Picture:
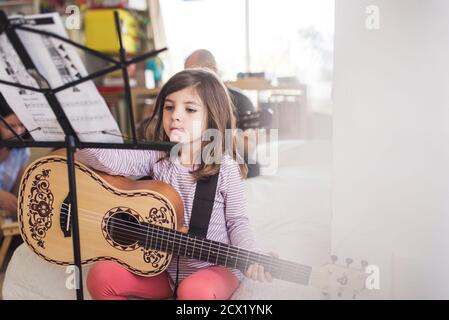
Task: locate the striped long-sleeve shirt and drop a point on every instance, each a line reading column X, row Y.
column 228, row 223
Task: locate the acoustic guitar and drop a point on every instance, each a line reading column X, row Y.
column 139, row 225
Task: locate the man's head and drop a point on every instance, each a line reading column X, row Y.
column 201, row 59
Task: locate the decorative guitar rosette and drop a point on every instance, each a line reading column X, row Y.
column 118, row 219
column 111, row 225
column 156, row 217
column 40, row 207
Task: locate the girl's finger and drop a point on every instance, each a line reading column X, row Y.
column 249, row 271
column 260, row 273
column 254, row 272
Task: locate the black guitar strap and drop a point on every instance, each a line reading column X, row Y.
column 202, row 206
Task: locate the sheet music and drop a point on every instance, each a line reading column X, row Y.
column 59, row 63
column 31, row 107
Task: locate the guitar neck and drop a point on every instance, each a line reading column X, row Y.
column 185, row 245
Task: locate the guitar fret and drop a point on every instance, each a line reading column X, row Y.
column 227, row 253
column 201, row 249
column 173, row 244
column 208, row 255
column 187, row 242
column 179, row 247
column 236, row 258
column 218, row 253
column 193, row 250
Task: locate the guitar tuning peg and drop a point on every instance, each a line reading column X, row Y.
column 348, row 261
column 364, row 263
column 334, row 258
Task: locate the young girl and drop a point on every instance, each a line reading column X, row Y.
column 189, row 103
column 12, row 161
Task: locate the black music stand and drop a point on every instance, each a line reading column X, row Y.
column 72, row 142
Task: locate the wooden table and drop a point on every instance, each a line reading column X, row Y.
column 259, row 85
column 288, row 101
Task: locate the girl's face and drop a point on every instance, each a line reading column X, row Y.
column 184, row 116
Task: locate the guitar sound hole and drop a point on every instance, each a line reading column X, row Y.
column 123, row 228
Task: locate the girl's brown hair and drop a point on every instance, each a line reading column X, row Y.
column 219, row 109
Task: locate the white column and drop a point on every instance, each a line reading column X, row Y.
column 391, row 136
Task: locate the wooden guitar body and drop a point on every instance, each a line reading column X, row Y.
column 107, row 206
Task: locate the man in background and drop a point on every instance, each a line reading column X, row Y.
column 204, row 59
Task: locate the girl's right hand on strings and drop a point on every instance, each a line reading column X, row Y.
column 8, row 202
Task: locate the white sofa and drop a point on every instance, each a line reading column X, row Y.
column 290, row 212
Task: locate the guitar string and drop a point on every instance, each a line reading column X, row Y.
column 286, row 265
column 169, row 232
column 294, row 271
column 283, row 273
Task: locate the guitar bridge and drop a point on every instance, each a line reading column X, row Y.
column 65, row 220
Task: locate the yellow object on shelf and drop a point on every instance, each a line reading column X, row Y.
column 101, row 34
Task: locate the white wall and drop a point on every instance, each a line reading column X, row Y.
column 391, row 136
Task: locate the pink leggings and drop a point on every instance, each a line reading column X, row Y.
column 109, row 281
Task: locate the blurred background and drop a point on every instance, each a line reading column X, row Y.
column 358, row 91
column 279, row 53
column 278, row 56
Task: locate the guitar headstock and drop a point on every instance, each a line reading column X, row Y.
column 340, row 281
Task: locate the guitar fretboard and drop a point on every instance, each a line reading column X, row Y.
column 159, row 238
